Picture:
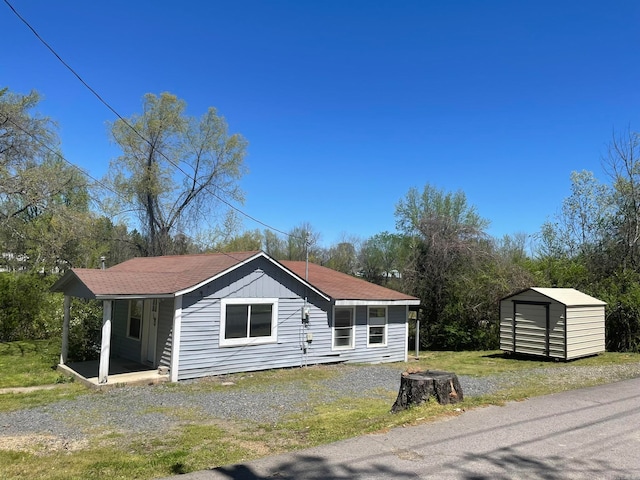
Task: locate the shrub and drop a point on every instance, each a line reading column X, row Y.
column 24, row 307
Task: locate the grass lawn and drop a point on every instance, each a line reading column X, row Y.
column 204, row 443
column 29, row 363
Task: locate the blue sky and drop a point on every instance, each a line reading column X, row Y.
column 348, row 104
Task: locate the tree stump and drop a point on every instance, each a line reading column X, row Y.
column 419, row 387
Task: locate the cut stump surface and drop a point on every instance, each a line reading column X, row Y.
column 419, row 387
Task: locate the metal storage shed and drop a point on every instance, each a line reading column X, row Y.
column 558, row 323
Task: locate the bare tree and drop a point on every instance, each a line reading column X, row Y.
column 174, row 168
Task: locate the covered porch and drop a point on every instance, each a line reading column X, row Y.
column 121, row 372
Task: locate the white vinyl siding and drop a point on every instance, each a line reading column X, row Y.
column 248, row 321
column 343, row 328
column 377, row 327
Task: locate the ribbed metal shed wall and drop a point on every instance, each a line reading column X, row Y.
column 558, row 323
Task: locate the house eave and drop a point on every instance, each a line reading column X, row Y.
column 349, row 303
column 139, row 296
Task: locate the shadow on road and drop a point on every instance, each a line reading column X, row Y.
column 315, row 468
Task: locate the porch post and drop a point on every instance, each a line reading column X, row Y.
column 65, row 330
column 105, row 347
column 175, row 339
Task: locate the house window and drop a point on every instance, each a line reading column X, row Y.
column 343, row 334
column 134, row 325
column 248, row 321
column 377, row 327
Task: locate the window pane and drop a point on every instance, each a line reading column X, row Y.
column 134, row 327
column 377, row 312
column 377, row 321
column 376, row 331
column 342, row 338
column 236, row 321
column 260, row 320
column 136, row 309
column 135, row 319
column 343, row 317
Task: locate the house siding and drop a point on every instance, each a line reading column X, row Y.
column 165, row 328
column 200, row 350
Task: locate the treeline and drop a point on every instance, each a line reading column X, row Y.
column 175, row 170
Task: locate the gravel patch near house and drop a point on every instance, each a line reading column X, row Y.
column 160, row 408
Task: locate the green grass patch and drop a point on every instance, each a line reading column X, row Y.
column 37, row 398
column 29, row 363
column 195, row 447
column 493, row 362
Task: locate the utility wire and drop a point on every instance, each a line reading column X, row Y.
column 113, row 110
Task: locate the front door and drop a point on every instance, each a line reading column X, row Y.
column 150, row 331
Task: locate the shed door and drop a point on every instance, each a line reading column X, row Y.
column 531, row 332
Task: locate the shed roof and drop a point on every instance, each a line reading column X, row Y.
column 567, row 296
column 175, row 274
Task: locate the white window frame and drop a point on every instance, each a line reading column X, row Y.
column 139, row 337
column 353, row 329
column 369, row 326
column 234, row 342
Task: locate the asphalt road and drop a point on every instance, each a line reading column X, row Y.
column 592, row 433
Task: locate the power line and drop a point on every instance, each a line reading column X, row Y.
column 113, row 110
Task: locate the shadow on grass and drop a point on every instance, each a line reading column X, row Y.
column 524, row 357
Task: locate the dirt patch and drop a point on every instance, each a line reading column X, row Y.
column 40, row 444
column 27, row 389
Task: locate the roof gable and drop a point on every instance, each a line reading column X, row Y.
column 567, row 296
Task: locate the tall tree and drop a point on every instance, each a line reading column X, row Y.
column 343, row 256
column 174, row 168
column 27, row 142
column 382, row 257
column 622, row 164
column 448, row 244
column 44, row 202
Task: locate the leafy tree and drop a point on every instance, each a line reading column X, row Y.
column 245, row 242
column 382, row 257
column 343, row 257
column 44, row 202
column 448, row 253
column 23, row 307
column 174, row 168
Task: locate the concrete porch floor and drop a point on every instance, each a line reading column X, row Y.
column 121, row 372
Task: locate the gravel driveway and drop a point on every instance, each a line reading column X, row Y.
column 136, row 410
